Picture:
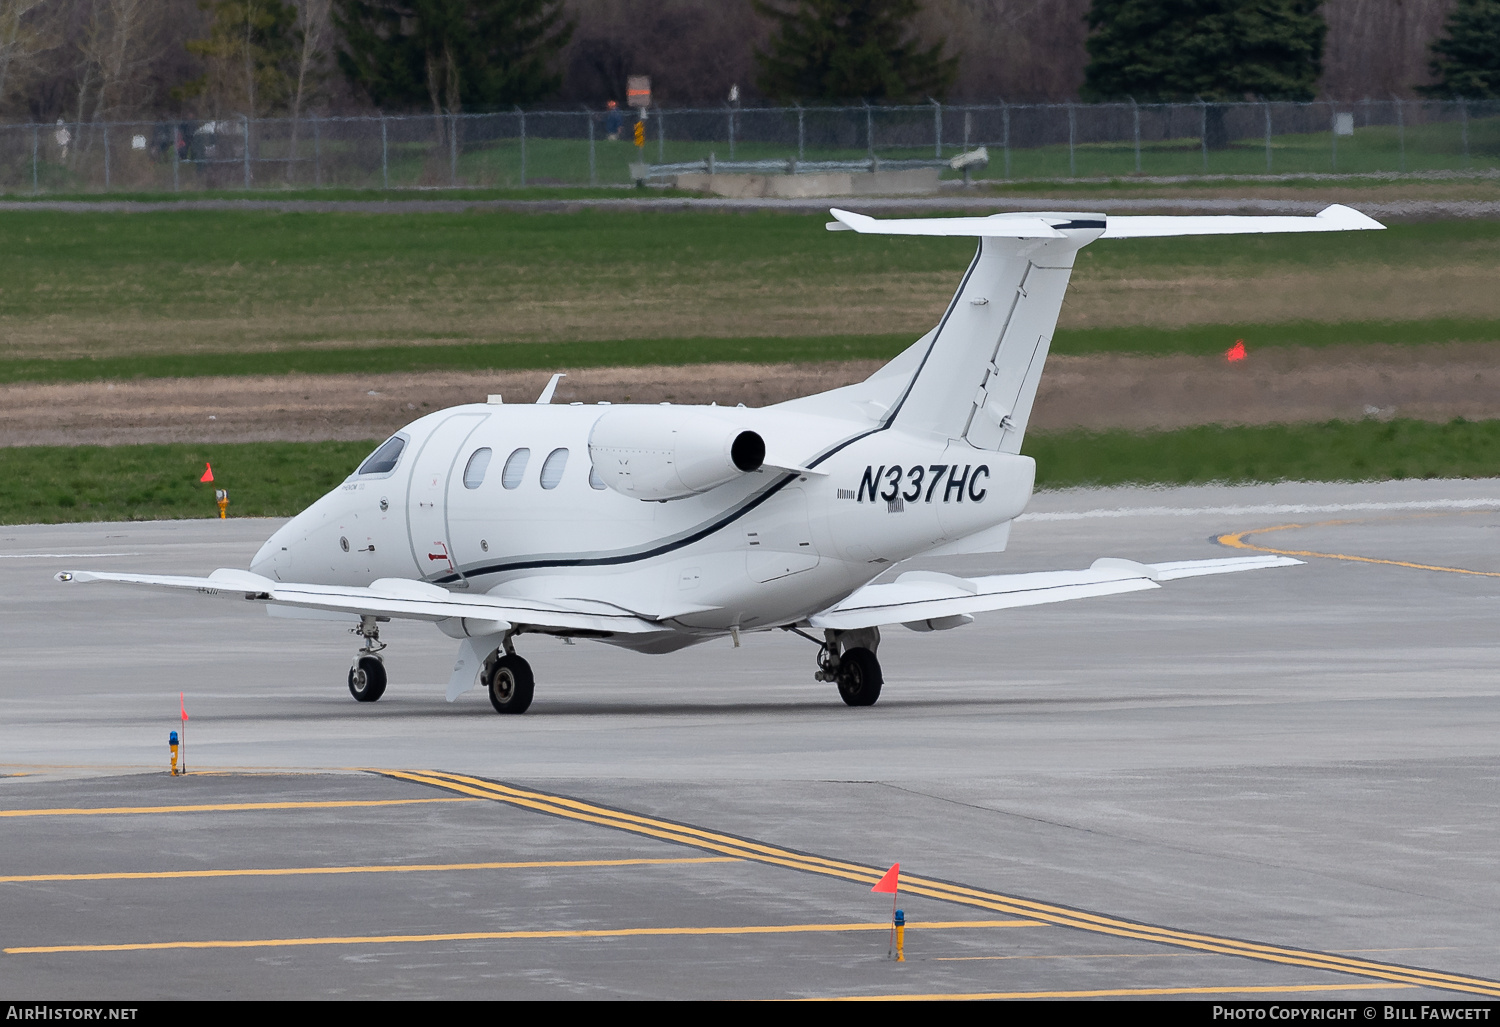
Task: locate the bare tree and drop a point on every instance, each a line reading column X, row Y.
column 22, row 39
column 313, row 33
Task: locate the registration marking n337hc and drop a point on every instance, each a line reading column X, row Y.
column 655, row 528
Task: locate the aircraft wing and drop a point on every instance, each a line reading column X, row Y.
column 395, row 598
column 928, row 600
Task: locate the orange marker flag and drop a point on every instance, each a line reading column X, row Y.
column 1236, row 352
column 890, row 881
column 182, row 706
column 208, row 472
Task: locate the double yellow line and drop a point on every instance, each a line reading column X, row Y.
column 1040, row 912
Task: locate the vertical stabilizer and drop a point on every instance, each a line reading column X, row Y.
column 980, row 373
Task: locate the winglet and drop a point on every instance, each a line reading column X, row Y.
column 546, row 396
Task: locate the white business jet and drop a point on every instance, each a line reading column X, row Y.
column 660, row 527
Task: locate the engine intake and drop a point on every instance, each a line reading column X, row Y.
column 657, row 453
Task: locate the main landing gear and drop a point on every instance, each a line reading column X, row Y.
column 508, row 679
column 367, row 675
column 848, row 659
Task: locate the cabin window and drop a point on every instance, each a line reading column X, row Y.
column 515, row 468
column 383, row 460
column 475, row 468
column 552, row 468
column 595, row 482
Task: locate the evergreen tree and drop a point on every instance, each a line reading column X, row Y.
column 248, row 53
column 847, row 50
column 1204, row 49
column 1466, row 60
column 452, row 53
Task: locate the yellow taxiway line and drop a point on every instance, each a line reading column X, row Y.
column 393, row 868
column 619, row 932
column 1061, row 916
column 228, row 807
column 1236, row 540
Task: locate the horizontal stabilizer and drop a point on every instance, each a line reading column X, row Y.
column 924, row 596
column 1335, row 218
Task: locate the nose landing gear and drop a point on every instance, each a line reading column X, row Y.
column 367, row 675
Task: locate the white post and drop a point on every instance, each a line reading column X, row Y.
column 34, row 149
column 1401, row 131
column 106, row 156
column 317, row 152
column 937, row 128
column 385, row 166
column 452, row 149
column 245, row 128
column 800, row 135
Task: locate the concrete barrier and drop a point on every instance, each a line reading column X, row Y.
column 912, row 181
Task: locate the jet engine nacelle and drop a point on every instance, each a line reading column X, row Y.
column 657, row 453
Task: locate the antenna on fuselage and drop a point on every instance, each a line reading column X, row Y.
column 546, row 396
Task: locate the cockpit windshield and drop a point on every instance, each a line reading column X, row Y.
column 384, row 459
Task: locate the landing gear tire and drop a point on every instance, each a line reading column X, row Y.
column 510, row 684
column 859, row 677
column 367, row 679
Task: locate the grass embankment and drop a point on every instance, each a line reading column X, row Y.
column 208, row 292
column 47, row 484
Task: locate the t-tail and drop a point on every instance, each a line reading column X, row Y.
column 978, row 376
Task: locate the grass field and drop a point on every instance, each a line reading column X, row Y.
column 206, row 292
column 46, row 484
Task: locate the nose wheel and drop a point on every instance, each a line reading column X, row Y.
column 367, row 675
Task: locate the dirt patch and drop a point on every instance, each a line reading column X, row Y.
column 1273, row 385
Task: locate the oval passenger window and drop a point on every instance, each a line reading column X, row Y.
column 475, row 468
column 383, row 460
column 595, row 482
column 515, row 468
column 552, row 468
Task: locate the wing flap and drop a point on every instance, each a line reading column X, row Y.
column 922, row 596
column 393, row 598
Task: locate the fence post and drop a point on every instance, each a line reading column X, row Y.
column 1005, row 123
column 937, row 128
column 730, row 119
column 106, row 154
column 869, row 132
column 1203, row 130
column 1266, row 105
column 245, row 128
column 452, row 150
column 1463, row 125
column 661, row 136
column 176, row 158
column 800, row 136
column 317, row 152
column 523, row 145
column 1135, row 111
column 385, row 166
column 34, row 150
column 1401, row 130
column 588, row 116
column 1072, row 131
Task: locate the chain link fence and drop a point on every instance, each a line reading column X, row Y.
column 596, row 148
